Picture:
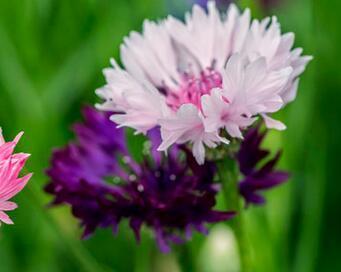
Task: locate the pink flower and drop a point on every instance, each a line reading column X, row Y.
column 10, row 184
column 198, row 78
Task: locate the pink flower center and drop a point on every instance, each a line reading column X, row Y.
column 193, row 88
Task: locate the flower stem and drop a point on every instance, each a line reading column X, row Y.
column 229, row 176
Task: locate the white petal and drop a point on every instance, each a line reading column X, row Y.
column 150, row 56
column 272, row 123
column 185, row 123
column 214, row 108
column 139, row 103
column 290, row 93
column 199, row 151
column 233, row 77
column 234, row 130
column 241, row 31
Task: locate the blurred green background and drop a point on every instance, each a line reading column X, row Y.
column 52, row 53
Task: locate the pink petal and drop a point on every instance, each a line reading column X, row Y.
column 5, row 218
column 8, row 206
column 15, row 187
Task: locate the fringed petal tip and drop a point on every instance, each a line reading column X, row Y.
column 5, row 218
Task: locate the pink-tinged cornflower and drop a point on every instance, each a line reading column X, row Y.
column 10, row 184
column 199, row 78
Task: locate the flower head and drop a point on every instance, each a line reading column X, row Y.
column 10, row 184
column 257, row 178
column 98, row 178
column 197, row 78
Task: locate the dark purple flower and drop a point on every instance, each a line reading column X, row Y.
column 222, row 4
column 268, row 4
column 98, row 178
column 257, row 178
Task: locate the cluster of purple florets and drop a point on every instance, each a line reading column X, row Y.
column 173, row 195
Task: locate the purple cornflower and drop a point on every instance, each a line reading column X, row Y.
column 98, row 178
column 221, row 4
column 257, row 178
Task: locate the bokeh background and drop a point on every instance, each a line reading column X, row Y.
column 52, row 53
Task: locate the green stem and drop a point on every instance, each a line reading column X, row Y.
column 229, row 176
